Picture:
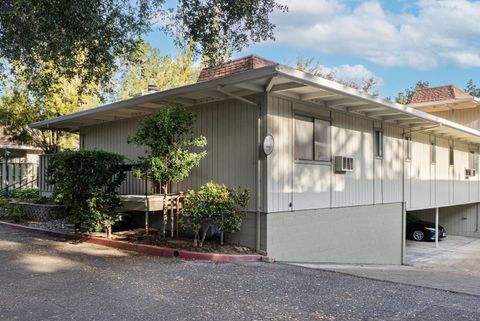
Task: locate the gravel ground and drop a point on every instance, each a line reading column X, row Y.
column 46, row 279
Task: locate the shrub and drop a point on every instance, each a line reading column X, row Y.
column 215, row 204
column 31, row 195
column 10, row 213
column 85, row 183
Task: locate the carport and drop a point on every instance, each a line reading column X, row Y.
column 460, row 247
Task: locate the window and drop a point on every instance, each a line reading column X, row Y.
column 378, row 143
column 408, row 148
column 312, row 139
column 433, row 151
column 473, row 160
column 451, row 160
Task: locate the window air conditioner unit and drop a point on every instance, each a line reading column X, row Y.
column 469, row 172
column 343, row 164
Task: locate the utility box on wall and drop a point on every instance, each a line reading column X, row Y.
column 343, row 164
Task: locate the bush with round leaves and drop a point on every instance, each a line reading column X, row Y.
column 215, row 204
column 86, row 183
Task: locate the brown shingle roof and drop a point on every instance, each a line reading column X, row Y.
column 436, row 94
column 233, row 67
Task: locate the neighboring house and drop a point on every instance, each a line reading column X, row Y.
column 451, row 103
column 18, row 164
column 345, row 165
column 17, row 152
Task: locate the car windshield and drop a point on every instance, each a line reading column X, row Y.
column 411, row 219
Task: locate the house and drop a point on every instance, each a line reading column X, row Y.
column 332, row 170
column 452, row 103
column 18, row 164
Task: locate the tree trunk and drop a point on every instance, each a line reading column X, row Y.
column 165, row 208
column 221, row 238
column 204, row 235
column 108, row 229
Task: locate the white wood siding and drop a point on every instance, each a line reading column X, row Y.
column 310, row 185
column 230, row 129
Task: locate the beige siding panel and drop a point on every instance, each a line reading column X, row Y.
column 280, row 162
column 442, row 175
column 469, row 117
column 311, row 187
column 113, row 137
column 420, row 171
column 392, row 164
column 352, row 137
column 230, row 129
column 461, row 184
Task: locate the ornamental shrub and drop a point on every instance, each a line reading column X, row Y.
column 215, row 204
column 168, row 134
column 85, row 183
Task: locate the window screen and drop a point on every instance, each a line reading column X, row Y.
column 433, row 151
column 312, row 139
column 322, row 140
column 378, row 142
column 451, row 160
column 303, row 138
column 408, row 148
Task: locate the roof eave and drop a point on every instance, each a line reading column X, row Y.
column 268, row 71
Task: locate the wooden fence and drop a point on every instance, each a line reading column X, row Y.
column 16, row 175
column 46, row 189
column 130, row 186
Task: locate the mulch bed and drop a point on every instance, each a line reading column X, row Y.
column 138, row 236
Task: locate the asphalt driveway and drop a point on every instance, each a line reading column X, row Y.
column 47, row 279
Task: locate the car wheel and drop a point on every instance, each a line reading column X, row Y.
column 418, row 235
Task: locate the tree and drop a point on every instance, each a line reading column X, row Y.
column 168, row 134
column 472, row 89
column 311, row 65
column 84, row 39
column 19, row 108
column 86, row 183
column 405, row 97
column 151, row 68
column 219, row 27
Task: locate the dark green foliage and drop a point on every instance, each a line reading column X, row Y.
column 85, row 183
column 472, row 89
column 215, row 203
column 168, row 135
column 10, row 213
column 82, row 39
column 31, row 195
column 406, row 96
column 220, row 27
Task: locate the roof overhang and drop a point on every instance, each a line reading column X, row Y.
column 278, row 79
column 443, row 105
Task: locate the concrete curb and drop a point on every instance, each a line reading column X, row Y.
column 140, row 248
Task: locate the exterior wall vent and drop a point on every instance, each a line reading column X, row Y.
column 343, row 164
column 469, row 172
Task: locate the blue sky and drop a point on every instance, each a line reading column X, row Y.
column 397, row 41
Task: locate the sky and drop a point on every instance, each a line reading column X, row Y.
column 398, row 42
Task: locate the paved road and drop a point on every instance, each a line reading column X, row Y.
column 47, row 279
column 454, row 266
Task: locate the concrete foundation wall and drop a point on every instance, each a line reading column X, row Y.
column 461, row 220
column 362, row 234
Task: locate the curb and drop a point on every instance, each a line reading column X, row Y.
column 140, row 248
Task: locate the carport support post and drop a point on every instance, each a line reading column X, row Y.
column 436, row 227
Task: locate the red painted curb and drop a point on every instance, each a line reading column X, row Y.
column 140, row 248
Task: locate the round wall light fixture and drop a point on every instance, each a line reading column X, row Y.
column 268, row 144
